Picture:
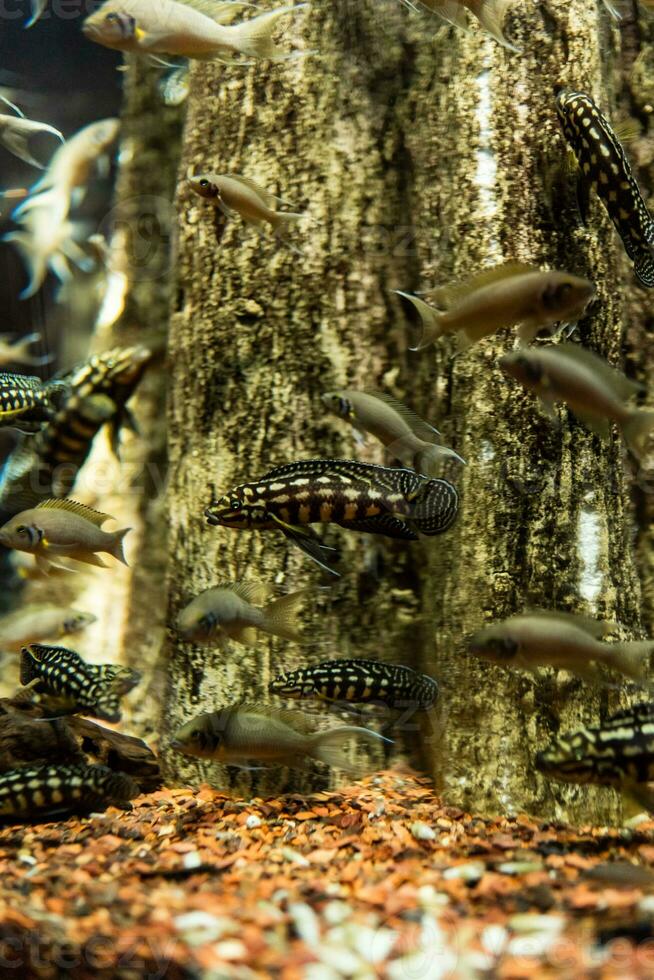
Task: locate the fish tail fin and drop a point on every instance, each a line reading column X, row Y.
column 644, row 269
column 431, row 322
column 633, row 659
column 116, row 548
column 330, row 747
column 17, row 143
column 285, row 220
column 281, row 616
column 38, row 6
column 429, row 460
column 36, row 264
column 435, row 509
column 637, row 430
column 491, row 17
column 253, row 38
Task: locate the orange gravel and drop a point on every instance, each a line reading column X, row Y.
column 374, row 880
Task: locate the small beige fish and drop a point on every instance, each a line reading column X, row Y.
column 242, row 733
column 16, row 131
column 46, row 243
column 70, row 169
column 63, row 529
column 240, row 195
column 40, row 621
column 191, row 29
column 591, row 388
column 489, row 13
column 562, row 640
column 408, row 437
column 510, row 295
column 15, row 350
column 232, row 610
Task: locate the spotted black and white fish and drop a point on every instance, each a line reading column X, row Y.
column 49, row 790
column 26, row 402
column 359, row 681
column 618, row 752
column 604, row 166
column 61, row 681
column 397, row 503
column 47, row 464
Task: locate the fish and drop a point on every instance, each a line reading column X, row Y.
column 358, row 681
column 594, row 391
column 618, row 752
column 46, row 243
column 510, row 295
column 15, row 133
column 40, row 621
column 567, row 641
column 70, row 169
column 620, row 874
column 46, row 465
column 61, row 681
column 63, row 528
column 397, row 503
column 26, row 402
column 489, row 13
column 232, row 610
column 242, row 733
column 240, row 195
column 14, row 350
column 603, row 165
column 411, row 440
column 192, row 29
column 35, row 792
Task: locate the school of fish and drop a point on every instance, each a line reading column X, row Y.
column 415, row 498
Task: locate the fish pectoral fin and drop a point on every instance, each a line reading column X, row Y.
column 582, row 192
column 246, row 635
column 306, row 542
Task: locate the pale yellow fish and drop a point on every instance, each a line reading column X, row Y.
column 193, row 29
column 510, row 295
column 16, row 131
column 233, row 610
column 240, row 195
column 562, row 640
column 40, row 621
column 63, row 529
column 72, row 165
column 408, row 437
column 242, row 733
column 46, row 242
column 490, row 14
column 589, row 386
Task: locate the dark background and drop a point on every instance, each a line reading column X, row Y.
column 58, row 77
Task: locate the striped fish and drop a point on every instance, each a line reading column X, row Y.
column 64, row 683
column 26, row 402
column 359, row 681
column 46, row 790
column 604, row 166
column 397, row 503
column 618, row 752
column 47, row 465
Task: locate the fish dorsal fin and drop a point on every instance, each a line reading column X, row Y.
column 254, row 592
column 251, row 185
column 73, row 507
column 637, row 712
column 451, row 294
column 594, row 627
column 627, row 130
column 618, row 383
column 292, row 717
column 417, row 424
column 11, row 105
column 220, row 11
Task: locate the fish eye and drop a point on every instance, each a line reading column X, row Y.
column 112, row 18
column 204, row 182
column 503, row 646
column 234, row 503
